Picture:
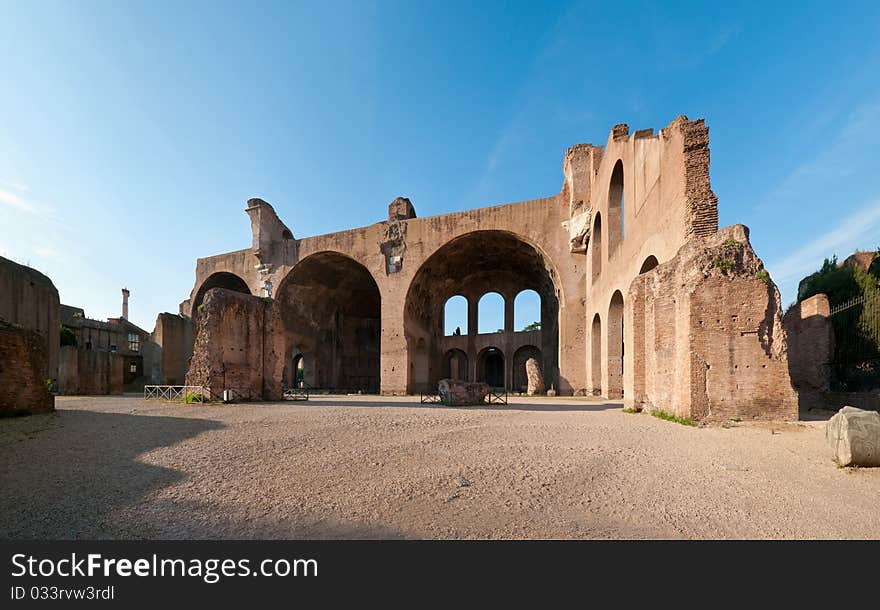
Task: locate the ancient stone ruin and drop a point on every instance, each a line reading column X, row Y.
column 642, row 297
column 29, row 343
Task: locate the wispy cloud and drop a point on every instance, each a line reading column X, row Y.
column 10, row 199
column 858, row 229
column 26, row 204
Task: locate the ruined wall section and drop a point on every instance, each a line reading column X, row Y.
column 708, row 341
column 664, row 199
column 90, row 372
column 29, row 299
column 811, row 348
column 23, row 363
column 702, row 205
column 230, row 347
column 174, row 337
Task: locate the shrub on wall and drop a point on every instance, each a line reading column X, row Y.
column 68, row 337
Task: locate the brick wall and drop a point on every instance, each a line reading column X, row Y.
column 707, row 335
column 23, row 364
column 229, row 345
column 810, row 348
column 90, row 372
column 174, row 336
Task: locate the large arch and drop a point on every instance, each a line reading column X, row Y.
column 471, row 265
column 329, row 310
column 615, row 346
column 221, row 279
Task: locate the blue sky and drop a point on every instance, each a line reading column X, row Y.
column 132, row 134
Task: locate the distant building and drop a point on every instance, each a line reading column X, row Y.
column 106, row 357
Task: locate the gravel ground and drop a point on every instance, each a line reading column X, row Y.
column 370, row 467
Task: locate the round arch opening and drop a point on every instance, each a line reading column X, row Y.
column 221, row 279
column 329, row 307
column 490, row 368
column 473, row 265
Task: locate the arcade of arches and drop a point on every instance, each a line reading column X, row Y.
column 472, row 267
column 630, row 300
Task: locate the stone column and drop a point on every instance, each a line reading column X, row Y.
column 472, row 334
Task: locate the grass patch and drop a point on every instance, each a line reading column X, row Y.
column 684, row 421
column 629, row 410
column 763, row 276
column 731, row 243
column 723, row 263
column 193, row 397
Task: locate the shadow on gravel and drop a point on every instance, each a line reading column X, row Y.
column 64, row 474
column 190, row 519
column 574, row 406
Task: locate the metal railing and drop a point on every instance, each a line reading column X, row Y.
column 295, row 393
column 494, row 397
column 855, row 363
column 497, row 397
column 179, row 393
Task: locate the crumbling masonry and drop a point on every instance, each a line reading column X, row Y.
column 641, row 296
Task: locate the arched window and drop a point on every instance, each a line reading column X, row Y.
column 527, row 311
column 649, row 264
column 490, row 313
column 615, row 209
column 455, row 316
column 596, row 245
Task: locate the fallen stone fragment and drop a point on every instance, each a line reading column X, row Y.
column 854, row 436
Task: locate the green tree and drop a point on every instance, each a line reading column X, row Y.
column 68, row 337
column 533, row 326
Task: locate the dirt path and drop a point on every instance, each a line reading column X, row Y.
column 356, row 467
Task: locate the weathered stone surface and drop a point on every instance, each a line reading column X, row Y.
column 455, row 392
column 854, row 436
column 716, row 307
column 365, row 307
column 229, row 352
column 810, row 349
column 29, row 299
column 535, row 378
column 401, row 209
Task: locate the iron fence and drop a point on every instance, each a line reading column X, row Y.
column 296, row 393
column 856, row 359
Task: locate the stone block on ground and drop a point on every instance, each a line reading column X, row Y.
column 535, row 378
column 455, row 392
column 854, row 436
